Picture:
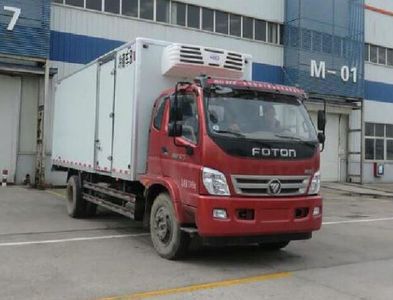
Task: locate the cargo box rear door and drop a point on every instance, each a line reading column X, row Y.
column 104, row 133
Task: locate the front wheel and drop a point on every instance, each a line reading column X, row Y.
column 168, row 239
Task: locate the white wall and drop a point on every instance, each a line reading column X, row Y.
column 378, row 112
column 378, row 29
column 378, row 73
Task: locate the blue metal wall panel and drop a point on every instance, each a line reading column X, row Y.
column 78, row 49
column 30, row 36
column 378, row 91
column 267, row 73
column 327, row 31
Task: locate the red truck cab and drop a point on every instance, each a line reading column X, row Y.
column 232, row 161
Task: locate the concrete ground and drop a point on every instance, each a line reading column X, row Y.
column 46, row 255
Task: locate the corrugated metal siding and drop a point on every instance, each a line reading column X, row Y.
column 30, row 36
column 79, row 49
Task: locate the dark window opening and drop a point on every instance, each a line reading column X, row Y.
column 248, row 28
column 162, row 13
column 178, row 13
column 130, row 8
column 235, row 25
column 112, row 6
column 147, row 9
column 193, row 16
column 221, row 22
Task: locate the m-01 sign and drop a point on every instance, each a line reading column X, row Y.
column 346, row 73
column 24, row 28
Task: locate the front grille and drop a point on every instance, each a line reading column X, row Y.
column 255, row 185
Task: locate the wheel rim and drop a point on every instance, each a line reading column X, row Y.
column 162, row 225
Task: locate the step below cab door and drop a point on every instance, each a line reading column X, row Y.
column 105, row 116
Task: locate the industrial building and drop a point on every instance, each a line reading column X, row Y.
column 339, row 51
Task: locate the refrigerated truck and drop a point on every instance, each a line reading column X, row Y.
column 179, row 137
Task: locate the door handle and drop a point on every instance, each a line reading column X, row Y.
column 164, row 150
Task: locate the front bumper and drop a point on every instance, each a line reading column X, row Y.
column 271, row 216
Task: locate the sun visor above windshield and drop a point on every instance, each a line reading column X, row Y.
column 258, row 85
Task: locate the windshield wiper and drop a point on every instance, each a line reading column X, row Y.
column 294, row 138
column 230, row 132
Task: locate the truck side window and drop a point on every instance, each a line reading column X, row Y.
column 190, row 117
column 159, row 113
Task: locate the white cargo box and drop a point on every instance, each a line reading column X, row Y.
column 103, row 111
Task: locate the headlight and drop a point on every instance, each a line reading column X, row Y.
column 215, row 182
column 315, row 184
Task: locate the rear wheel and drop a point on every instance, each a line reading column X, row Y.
column 76, row 205
column 168, row 239
column 274, row 246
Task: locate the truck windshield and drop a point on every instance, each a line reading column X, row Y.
column 259, row 116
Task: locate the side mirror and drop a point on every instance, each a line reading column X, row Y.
column 175, row 129
column 321, row 120
column 321, row 138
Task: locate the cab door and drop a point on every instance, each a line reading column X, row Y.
column 181, row 156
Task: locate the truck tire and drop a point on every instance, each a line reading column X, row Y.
column 168, row 239
column 274, row 246
column 76, row 206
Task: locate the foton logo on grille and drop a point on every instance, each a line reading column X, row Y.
column 273, row 152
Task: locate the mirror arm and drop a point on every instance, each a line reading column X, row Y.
column 324, row 128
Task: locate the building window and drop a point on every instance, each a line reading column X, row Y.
column 367, row 52
column 337, row 46
column 207, row 19
column 162, row 11
column 378, row 137
column 306, row 39
column 379, row 130
column 316, row 41
column 389, row 131
column 94, row 4
column 79, row 3
column 293, row 36
column 58, row 1
column 389, row 149
column 281, row 34
column 112, row 6
column 327, row 43
column 178, row 13
column 248, row 28
column 193, row 16
column 378, row 55
column 273, row 33
column 260, row 30
column 374, row 54
column 146, row 9
column 235, row 26
column 221, row 22
column 129, row 8
column 389, row 57
column 382, row 55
